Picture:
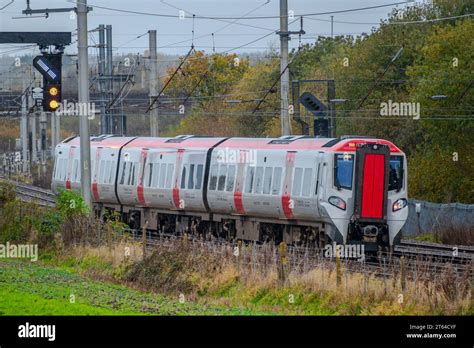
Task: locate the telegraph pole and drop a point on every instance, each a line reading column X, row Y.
column 24, row 127
column 110, row 85
column 332, row 27
column 104, row 122
column 84, row 100
column 32, row 119
column 153, row 82
column 285, row 74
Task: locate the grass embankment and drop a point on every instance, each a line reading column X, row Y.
column 37, row 289
column 96, row 264
column 102, row 282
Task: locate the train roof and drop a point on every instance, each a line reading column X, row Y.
column 346, row 143
column 101, row 140
column 180, row 141
column 294, row 142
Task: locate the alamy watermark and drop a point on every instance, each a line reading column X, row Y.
column 37, row 331
column 345, row 251
column 237, row 156
column 66, row 108
column 20, row 251
column 392, row 108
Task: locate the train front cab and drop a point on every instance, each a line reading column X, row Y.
column 367, row 199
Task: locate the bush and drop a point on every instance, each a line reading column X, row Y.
column 174, row 269
column 70, row 204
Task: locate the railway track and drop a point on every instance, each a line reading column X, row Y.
column 30, row 193
column 302, row 259
column 440, row 252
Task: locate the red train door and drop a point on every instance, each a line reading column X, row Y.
column 372, row 163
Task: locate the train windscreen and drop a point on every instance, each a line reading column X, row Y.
column 343, row 170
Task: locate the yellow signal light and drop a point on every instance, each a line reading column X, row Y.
column 53, row 91
column 53, row 104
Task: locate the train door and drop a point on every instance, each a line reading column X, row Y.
column 372, row 163
column 322, row 176
column 318, row 172
column 371, row 190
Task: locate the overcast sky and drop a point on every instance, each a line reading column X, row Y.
column 228, row 34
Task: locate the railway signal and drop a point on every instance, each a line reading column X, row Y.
column 319, row 110
column 52, row 97
column 50, row 65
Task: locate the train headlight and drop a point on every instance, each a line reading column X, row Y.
column 337, row 202
column 399, row 204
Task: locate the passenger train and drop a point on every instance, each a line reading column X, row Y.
column 297, row 189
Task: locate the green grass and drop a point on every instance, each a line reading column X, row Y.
column 33, row 289
column 427, row 237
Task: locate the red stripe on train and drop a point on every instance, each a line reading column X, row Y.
column 69, row 169
column 286, row 204
column 176, row 200
column 95, row 191
column 95, row 188
column 176, row 197
column 140, row 193
column 238, row 202
column 286, row 201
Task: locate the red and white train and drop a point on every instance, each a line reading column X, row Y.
column 295, row 189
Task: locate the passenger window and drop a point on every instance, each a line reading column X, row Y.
column 191, row 177
column 135, row 173
column 183, row 177
column 308, row 172
column 317, row 179
column 222, row 175
column 169, row 175
column 122, row 178
column 107, row 172
column 267, row 180
column 78, row 172
column 101, row 172
column 230, row 179
column 55, row 169
column 74, row 170
column 199, row 176
column 130, row 170
column 259, row 180
column 150, row 173
column 276, row 181
column 297, row 182
column 162, row 175
column 249, row 179
column 213, row 181
column 64, row 170
column 113, row 167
